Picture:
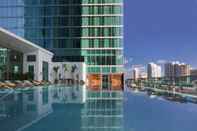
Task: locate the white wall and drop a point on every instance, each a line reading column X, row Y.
column 40, row 57
column 154, row 70
column 47, row 58
column 80, row 71
column 44, row 56
column 27, row 64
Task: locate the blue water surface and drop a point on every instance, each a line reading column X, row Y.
column 60, row 108
column 141, row 113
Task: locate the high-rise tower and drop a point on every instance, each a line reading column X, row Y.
column 74, row 30
column 102, row 41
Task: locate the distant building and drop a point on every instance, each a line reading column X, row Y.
column 169, row 71
column 143, row 75
column 176, row 70
column 184, row 70
column 154, row 71
column 138, row 72
column 193, row 74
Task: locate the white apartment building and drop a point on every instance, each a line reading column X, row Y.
column 177, row 69
column 138, row 73
column 135, row 73
column 154, row 71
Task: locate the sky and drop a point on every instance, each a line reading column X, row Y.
column 160, row 30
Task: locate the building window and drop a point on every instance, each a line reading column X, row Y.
column 31, row 71
column 16, row 69
column 31, row 58
column 45, row 71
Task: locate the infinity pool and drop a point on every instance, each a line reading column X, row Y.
column 142, row 113
column 61, row 109
column 76, row 109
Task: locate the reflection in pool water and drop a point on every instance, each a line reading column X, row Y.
column 143, row 113
column 61, row 109
column 75, row 109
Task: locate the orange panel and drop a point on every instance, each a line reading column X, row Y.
column 94, row 81
column 117, row 81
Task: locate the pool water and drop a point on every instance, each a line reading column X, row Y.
column 59, row 108
column 142, row 113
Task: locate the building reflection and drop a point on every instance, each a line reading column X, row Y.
column 103, row 111
column 24, row 107
column 62, row 109
column 67, row 95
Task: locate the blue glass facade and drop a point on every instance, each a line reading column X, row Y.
column 55, row 25
column 52, row 24
column 12, row 16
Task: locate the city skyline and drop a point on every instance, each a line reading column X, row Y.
column 158, row 62
column 153, row 69
column 154, row 33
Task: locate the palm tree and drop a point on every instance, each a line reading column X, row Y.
column 56, row 68
column 65, row 67
column 74, row 67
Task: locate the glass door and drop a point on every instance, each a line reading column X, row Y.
column 106, row 82
column 31, row 72
column 45, row 71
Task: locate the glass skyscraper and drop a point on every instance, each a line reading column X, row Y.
column 74, row 30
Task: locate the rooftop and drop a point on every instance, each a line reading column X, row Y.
column 11, row 41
